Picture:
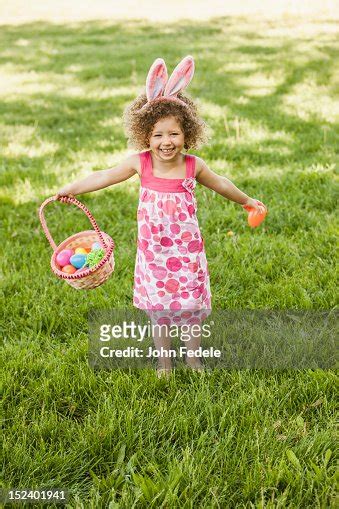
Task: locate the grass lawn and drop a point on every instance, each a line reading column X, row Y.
column 228, row 438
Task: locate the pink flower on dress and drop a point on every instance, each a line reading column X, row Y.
column 189, row 184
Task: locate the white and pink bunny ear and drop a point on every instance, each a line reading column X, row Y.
column 156, row 79
column 180, row 77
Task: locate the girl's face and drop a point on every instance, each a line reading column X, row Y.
column 167, row 138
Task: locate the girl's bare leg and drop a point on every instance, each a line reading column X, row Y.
column 193, row 344
column 162, row 343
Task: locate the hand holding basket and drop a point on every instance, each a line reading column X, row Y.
column 85, row 279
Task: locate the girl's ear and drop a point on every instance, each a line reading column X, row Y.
column 180, row 77
column 156, row 79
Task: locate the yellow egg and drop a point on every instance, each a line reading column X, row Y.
column 80, row 250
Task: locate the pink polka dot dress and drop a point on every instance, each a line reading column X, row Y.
column 171, row 273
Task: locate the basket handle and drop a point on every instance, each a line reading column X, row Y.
column 70, row 201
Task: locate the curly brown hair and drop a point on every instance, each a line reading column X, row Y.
column 139, row 122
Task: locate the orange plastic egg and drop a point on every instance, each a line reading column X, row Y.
column 256, row 218
column 69, row 269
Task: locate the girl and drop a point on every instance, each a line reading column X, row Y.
column 171, row 278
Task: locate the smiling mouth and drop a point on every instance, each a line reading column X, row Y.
column 166, row 151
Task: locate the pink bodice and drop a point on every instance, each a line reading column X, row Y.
column 164, row 185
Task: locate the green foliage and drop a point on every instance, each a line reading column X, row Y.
column 226, row 439
column 94, row 257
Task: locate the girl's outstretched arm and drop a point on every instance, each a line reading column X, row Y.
column 103, row 178
column 224, row 186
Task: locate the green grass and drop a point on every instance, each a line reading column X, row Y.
column 229, row 438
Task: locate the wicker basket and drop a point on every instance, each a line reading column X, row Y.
column 87, row 278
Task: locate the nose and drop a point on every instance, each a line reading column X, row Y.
column 166, row 142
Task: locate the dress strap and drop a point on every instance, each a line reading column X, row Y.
column 145, row 163
column 190, row 166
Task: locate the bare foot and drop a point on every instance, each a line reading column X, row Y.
column 195, row 364
column 164, row 372
column 164, row 368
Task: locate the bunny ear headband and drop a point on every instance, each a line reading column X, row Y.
column 157, row 86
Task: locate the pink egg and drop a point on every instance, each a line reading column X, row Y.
column 64, row 256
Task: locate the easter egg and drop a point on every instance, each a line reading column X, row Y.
column 80, row 250
column 95, row 246
column 63, row 257
column 68, row 269
column 78, row 260
column 256, row 218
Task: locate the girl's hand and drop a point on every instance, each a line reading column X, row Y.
column 64, row 192
column 257, row 205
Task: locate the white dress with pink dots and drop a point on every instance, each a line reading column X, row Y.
column 171, row 273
